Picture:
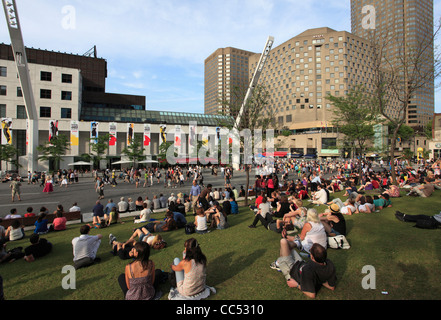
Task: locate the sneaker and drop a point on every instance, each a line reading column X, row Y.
column 399, row 216
column 274, row 266
column 111, row 238
column 252, row 226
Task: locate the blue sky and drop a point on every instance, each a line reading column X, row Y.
column 157, row 48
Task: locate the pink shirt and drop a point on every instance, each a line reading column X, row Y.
column 59, row 224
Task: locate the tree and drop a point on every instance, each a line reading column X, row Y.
column 399, row 74
column 99, row 147
column 54, row 150
column 8, row 153
column 354, row 118
column 135, row 151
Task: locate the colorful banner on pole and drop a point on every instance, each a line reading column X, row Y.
column 94, row 132
column 112, row 134
column 130, row 133
column 147, row 135
column 163, row 133
column 53, row 129
column 74, row 134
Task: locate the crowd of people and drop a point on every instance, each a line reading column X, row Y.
column 288, row 205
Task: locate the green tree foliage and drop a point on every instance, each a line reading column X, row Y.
column 354, row 118
column 54, row 150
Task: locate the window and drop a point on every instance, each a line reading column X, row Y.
column 21, row 112
column 2, row 111
column 66, row 113
column 66, row 78
column 45, row 112
column 45, row 94
column 66, row 95
column 45, row 76
column 3, row 72
column 2, row 90
column 19, row 92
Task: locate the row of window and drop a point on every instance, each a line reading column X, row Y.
column 44, row 75
column 44, row 93
column 45, row 112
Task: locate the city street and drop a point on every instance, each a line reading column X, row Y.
column 84, row 193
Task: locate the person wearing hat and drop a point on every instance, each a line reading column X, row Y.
column 333, row 221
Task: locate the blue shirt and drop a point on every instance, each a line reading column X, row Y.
column 41, row 226
column 98, row 210
column 195, row 190
column 109, row 207
column 179, row 218
column 234, row 207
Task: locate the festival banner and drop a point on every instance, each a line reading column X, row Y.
column 163, row 133
column 130, row 133
column 178, row 136
column 193, row 141
column 205, row 136
column 53, row 129
column 74, row 134
column 147, row 135
column 6, row 131
column 112, row 134
column 94, row 132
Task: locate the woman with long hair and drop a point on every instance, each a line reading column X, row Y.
column 191, row 271
column 138, row 281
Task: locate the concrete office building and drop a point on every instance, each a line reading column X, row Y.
column 409, row 22
column 299, row 75
column 69, row 90
column 226, row 79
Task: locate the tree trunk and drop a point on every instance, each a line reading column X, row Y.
column 247, row 169
column 392, row 154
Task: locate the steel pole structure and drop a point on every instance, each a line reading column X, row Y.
column 19, row 52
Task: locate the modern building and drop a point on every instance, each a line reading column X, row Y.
column 70, row 94
column 226, row 80
column 408, row 23
column 300, row 73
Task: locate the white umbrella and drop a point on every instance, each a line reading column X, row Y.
column 148, row 161
column 122, row 162
column 80, row 163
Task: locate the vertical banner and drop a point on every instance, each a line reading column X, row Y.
column 162, row 133
column 53, row 129
column 130, row 133
column 6, row 131
column 178, row 138
column 27, row 135
column 147, row 135
column 74, row 134
column 205, row 136
column 112, row 134
column 216, row 141
column 193, row 142
column 94, row 132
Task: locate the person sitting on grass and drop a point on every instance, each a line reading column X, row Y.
column 190, row 273
column 38, row 248
column 85, row 248
column 312, row 232
column 263, row 214
column 113, row 217
column 308, row 276
column 333, row 221
column 169, row 224
column 140, row 279
column 382, row 201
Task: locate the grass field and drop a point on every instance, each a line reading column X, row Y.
column 406, row 260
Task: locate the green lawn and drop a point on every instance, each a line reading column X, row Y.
column 406, row 260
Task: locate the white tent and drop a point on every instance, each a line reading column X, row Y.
column 148, row 161
column 122, row 162
column 80, row 163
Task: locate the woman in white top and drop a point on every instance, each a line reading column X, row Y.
column 200, row 221
column 313, row 232
column 145, row 215
column 15, row 231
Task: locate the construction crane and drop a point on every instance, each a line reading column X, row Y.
column 19, row 52
column 255, row 79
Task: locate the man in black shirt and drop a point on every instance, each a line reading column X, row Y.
column 38, row 248
column 308, row 276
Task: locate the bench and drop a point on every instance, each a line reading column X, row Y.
column 30, row 221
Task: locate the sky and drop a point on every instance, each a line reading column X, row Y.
column 157, row 48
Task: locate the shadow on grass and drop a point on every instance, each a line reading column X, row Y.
column 230, row 265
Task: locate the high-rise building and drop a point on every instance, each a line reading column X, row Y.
column 409, row 22
column 226, row 79
column 300, row 73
